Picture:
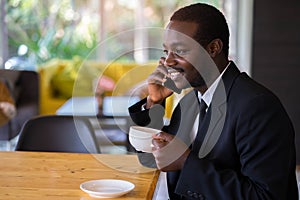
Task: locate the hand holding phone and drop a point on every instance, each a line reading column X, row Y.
column 160, row 85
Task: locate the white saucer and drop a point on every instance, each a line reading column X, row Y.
column 106, row 188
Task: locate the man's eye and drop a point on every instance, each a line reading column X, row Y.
column 180, row 52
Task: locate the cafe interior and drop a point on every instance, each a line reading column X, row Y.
column 73, row 67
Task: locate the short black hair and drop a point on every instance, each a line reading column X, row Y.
column 211, row 23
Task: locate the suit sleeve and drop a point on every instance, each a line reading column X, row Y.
column 153, row 118
column 264, row 140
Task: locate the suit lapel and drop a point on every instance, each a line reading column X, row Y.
column 218, row 109
column 213, row 127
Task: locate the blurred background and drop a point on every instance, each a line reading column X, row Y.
column 33, row 32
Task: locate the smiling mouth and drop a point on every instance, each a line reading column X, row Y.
column 174, row 73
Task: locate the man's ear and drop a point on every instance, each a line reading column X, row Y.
column 215, row 47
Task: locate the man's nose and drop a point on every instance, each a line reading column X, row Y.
column 170, row 59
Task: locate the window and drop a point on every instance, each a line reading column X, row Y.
column 103, row 30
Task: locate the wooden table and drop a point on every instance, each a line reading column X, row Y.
column 39, row 175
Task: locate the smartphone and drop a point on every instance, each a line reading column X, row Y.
column 171, row 85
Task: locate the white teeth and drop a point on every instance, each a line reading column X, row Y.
column 173, row 75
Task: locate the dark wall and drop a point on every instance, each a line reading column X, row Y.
column 276, row 53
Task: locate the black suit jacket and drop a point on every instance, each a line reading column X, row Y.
column 247, row 148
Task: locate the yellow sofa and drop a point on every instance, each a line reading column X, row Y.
column 61, row 79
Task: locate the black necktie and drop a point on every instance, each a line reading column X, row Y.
column 203, row 108
column 200, row 135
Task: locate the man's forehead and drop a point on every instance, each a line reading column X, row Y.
column 180, row 33
column 182, row 24
column 184, row 27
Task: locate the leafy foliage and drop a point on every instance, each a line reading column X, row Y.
column 67, row 28
column 51, row 29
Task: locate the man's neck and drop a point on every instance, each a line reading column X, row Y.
column 204, row 88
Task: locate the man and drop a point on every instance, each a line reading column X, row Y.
column 230, row 137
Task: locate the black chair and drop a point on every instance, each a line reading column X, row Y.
column 57, row 133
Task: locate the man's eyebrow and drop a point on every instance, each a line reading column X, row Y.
column 175, row 44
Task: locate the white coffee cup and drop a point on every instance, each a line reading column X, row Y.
column 141, row 138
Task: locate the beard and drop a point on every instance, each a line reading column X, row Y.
column 197, row 81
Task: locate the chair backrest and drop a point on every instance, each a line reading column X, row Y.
column 57, row 133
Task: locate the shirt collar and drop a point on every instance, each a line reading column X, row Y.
column 208, row 94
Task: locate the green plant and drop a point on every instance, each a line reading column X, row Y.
column 50, row 29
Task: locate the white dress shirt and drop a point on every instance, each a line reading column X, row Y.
column 207, row 98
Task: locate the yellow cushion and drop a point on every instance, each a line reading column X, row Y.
column 62, row 79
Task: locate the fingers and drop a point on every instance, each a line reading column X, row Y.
column 156, row 90
column 160, row 74
column 163, row 137
column 161, row 60
column 161, row 140
column 156, row 78
column 161, row 67
column 158, row 144
column 169, row 152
